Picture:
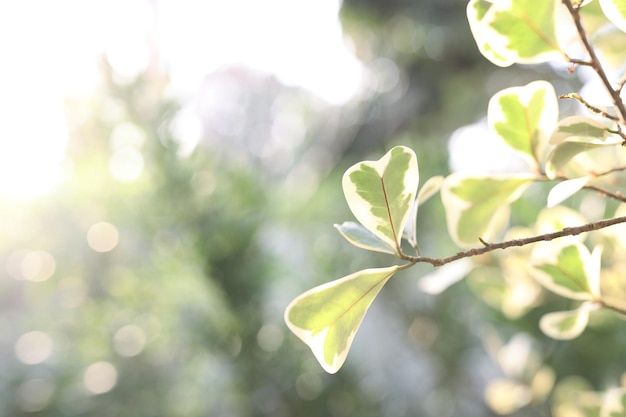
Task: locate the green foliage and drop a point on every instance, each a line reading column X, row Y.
column 381, row 193
column 519, row 31
column 327, row 317
column 573, row 153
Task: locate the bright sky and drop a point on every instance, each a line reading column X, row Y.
column 50, row 50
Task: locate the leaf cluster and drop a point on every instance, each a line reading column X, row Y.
column 572, row 154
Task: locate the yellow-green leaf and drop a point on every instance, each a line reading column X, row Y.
column 566, row 325
column 523, row 118
column 327, row 317
column 568, row 269
column 381, row 193
column 577, row 127
column 478, row 206
column 515, row 31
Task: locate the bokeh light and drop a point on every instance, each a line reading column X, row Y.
column 102, row 237
column 35, row 394
column 33, row 347
column 100, row 377
column 270, row 337
column 129, row 340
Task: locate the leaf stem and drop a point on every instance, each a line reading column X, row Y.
column 595, row 62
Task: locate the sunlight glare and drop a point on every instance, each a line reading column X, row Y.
column 300, row 42
column 60, row 51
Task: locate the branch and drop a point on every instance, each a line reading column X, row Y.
column 590, row 107
column 489, row 247
column 616, row 196
column 595, row 62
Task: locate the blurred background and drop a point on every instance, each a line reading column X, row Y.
column 170, row 172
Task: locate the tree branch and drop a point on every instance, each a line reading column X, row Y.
column 489, row 247
column 595, row 62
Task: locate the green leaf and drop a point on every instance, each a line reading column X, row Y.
column 564, row 152
column 327, row 317
column 566, row 325
column 615, row 11
column 523, row 117
column 576, row 127
column 478, row 207
column 568, row 269
column 360, row 237
column 381, row 193
column 515, row 31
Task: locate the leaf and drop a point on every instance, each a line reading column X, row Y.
column 445, row 276
column 327, row 317
column 567, row 150
column 380, row 193
column 567, row 269
column 430, row 187
column 565, row 189
column 523, row 117
column 566, row 325
column 478, row 207
column 555, row 219
column 360, row 237
column 578, row 127
column 615, row 11
column 515, row 31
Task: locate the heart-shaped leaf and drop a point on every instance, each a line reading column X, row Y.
column 566, row 325
column 524, row 117
column 568, row 269
column 360, row 237
column 478, row 206
column 381, row 193
column 327, row 317
column 513, row 31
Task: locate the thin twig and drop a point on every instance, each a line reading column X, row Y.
column 595, row 62
column 610, row 171
column 591, row 107
column 489, row 247
column 616, row 196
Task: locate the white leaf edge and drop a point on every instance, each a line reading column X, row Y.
column 565, row 189
column 550, row 321
column 426, row 191
column 362, row 210
column 548, row 252
column 612, row 11
column 549, row 115
column 316, row 342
